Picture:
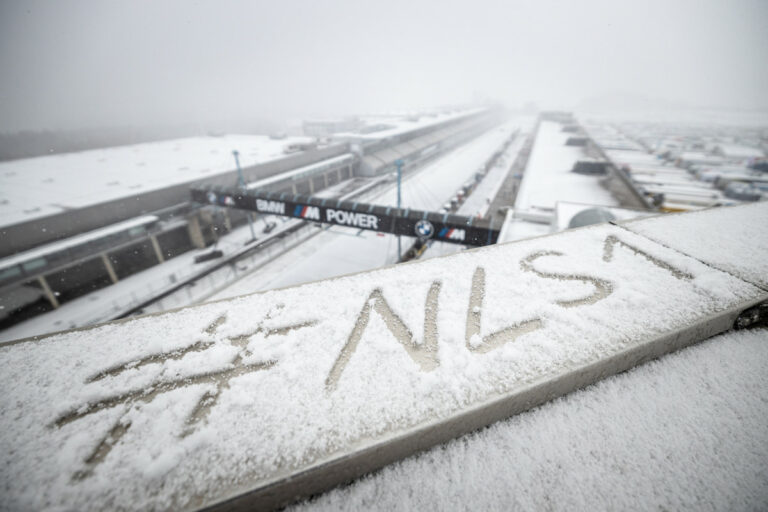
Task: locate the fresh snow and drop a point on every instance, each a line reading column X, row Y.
column 402, row 124
column 733, row 239
column 686, row 432
column 519, row 229
column 565, row 212
column 548, row 177
column 481, row 197
column 548, row 181
column 186, row 408
column 37, row 187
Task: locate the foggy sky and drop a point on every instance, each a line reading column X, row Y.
column 75, row 64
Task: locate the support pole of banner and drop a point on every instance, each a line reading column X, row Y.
column 241, row 184
column 399, row 164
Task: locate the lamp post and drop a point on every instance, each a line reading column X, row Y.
column 241, row 184
column 399, row 164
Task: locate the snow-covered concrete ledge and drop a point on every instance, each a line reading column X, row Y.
column 255, row 401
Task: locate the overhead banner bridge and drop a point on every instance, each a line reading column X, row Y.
column 443, row 227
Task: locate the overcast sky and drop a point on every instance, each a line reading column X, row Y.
column 73, row 64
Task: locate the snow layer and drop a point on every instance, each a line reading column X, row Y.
column 566, row 211
column 547, row 181
column 686, row 432
column 734, row 239
column 519, row 229
column 548, row 177
column 632, row 158
column 401, row 125
column 480, row 199
column 36, row 187
column 182, row 408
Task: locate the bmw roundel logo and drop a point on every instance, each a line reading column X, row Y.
column 424, row 229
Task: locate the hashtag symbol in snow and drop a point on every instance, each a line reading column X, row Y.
column 220, row 378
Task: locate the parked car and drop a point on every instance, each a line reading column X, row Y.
column 269, row 227
column 742, row 192
column 207, row 256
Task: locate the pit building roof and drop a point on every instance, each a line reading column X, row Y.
column 37, row 187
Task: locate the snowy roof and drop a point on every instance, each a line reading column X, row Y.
column 548, row 181
column 515, row 228
column 700, row 157
column 668, row 180
column 74, row 241
column 406, row 124
column 293, row 390
column 618, row 143
column 302, row 172
column 38, row 187
column 737, row 151
column 657, row 168
column 621, row 157
column 548, row 177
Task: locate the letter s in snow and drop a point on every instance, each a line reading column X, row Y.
column 603, row 288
